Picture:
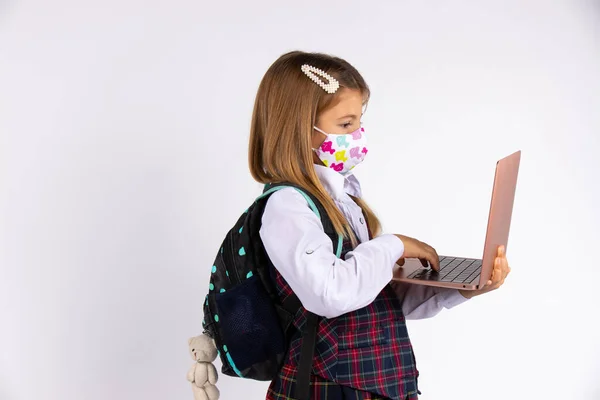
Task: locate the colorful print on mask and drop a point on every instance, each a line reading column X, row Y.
column 343, row 152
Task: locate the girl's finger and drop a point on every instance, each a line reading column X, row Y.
column 496, row 269
column 504, row 269
column 500, row 282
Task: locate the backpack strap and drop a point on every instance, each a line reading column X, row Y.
column 292, row 304
column 316, row 207
column 307, row 352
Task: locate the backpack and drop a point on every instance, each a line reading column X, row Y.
column 250, row 325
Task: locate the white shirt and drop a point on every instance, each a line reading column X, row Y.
column 303, row 254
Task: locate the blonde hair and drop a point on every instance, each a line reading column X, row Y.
column 285, row 110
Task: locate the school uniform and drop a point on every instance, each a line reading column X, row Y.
column 363, row 350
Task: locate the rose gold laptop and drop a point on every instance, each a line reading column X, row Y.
column 470, row 273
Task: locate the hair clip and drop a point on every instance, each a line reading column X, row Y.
column 314, row 73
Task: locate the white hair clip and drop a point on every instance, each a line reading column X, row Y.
column 314, row 73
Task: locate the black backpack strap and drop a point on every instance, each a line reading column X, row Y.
column 317, row 208
column 292, row 304
column 309, row 341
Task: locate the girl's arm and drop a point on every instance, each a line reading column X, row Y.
column 303, row 254
column 420, row 301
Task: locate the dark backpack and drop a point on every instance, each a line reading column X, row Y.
column 242, row 311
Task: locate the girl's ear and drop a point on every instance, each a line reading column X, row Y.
column 317, row 139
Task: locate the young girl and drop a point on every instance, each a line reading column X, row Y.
column 306, row 130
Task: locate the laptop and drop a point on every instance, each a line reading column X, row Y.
column 470, row 273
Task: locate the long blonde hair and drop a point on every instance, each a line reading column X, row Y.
column 285, row 110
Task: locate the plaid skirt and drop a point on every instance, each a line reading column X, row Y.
column 322, row 389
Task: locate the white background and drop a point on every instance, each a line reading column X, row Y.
column 124, row 129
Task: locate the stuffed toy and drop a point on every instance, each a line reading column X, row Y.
column 203, row 374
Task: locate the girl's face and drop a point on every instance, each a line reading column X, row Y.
column 343, row 118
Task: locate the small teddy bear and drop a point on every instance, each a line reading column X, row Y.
column 203, row 374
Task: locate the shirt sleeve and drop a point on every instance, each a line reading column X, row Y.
column 303, row 254
column 421, row 302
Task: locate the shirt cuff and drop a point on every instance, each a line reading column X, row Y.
column 393, row 243
column 452, row 298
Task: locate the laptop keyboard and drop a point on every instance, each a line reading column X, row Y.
column 452, row 269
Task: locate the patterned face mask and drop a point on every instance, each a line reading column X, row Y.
column 343, row 152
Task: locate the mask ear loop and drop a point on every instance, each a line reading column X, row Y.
column 323, row 132
column 317, row 129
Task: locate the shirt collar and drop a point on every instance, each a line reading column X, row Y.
column 336, row 184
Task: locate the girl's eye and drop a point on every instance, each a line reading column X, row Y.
column 346, row 125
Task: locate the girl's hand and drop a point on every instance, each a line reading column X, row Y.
column 416, row 249
column 499, row 274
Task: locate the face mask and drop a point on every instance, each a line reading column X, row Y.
column 343, row 152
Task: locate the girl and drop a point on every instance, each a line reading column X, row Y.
column 306, row 130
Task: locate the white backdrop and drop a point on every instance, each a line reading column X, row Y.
column 124, row 129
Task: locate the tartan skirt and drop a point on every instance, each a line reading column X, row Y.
column 322, row 389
